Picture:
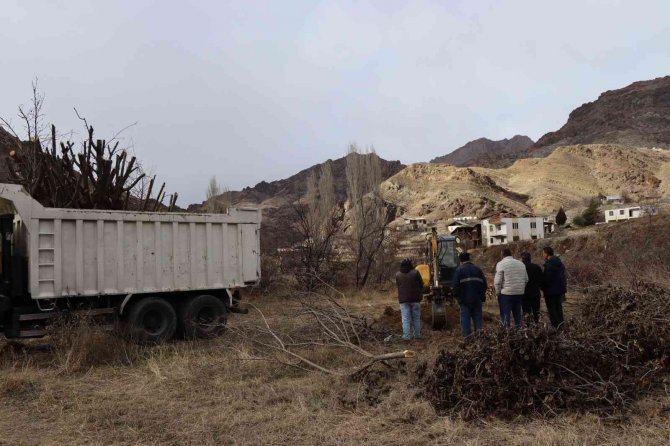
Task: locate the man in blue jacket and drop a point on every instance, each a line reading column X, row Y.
column 470, row 289
column 554, row 286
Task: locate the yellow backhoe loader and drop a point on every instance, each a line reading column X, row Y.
column 441, row 261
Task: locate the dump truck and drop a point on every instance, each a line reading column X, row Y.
column 437, row 272
column 159, row 273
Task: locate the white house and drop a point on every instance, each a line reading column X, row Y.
column 466, row 218
column 415, row 224
column 499, row 230
column 626, row 213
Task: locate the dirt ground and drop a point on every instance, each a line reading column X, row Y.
column 212, row 392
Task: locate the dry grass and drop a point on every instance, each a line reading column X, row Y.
column 205, row 393
column 77, row 345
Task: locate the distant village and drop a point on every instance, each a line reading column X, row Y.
column 501, row 228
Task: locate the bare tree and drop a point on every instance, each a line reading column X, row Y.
column 369, row 214
column 226, row 198
column 32, row 119
column 216, row 199
column 386, row 263
column 319, row 219
column 213, row 189
column 100, row 175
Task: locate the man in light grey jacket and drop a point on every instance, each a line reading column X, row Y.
column 510, row 284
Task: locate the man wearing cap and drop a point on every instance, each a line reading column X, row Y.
column 410, row 286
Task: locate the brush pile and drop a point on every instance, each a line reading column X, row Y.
column 615, row 350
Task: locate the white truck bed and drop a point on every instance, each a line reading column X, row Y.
column 76, row 252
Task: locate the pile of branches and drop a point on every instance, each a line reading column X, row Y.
column 332, row 321
column 99, row 175
column 614, row 351
column 320, row 323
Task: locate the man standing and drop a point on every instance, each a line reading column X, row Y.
column 531, row 297
column 470, row 289
column 510, row 284
column 554, row 286
column 410, row 286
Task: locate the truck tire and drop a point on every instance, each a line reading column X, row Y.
column 203, row 317
column 152, row 320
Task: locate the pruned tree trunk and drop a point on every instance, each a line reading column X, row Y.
column 319, row 219
column 98, row 176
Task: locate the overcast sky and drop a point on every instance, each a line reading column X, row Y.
column 250, row 91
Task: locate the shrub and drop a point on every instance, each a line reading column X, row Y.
column 579, row 221
column 561, row 218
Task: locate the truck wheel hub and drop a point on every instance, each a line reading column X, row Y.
column 152, row 322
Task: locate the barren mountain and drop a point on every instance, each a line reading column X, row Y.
column 637, row 115
column 281, row 192
column 484, row 152
column 598, row 151
column 572, row 174
column 567, row 177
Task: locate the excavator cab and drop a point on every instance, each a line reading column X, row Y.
column 441, row 261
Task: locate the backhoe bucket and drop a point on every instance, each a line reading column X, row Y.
column 439, row 317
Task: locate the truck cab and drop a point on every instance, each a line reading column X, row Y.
column 13, row 273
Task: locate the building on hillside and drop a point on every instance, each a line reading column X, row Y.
column 501, row 229
column 614, row 199
column 627, row 213
column 456, row 223
column 414, row 224
column 549, row 226
column 468, row 231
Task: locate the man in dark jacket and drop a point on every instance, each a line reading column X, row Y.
column 554, row 286
column 531, row 297
column 410, row 287
column 470, row 289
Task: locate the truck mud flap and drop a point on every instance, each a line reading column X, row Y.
column 239, row 309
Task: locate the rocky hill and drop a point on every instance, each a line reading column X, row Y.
column 567, row 177
column 438, row 191
column 278, row 193
column 637, row 115
column 485, row 152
